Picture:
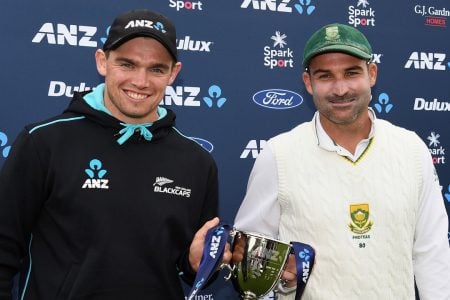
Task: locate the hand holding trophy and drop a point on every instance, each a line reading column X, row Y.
column 258, row 262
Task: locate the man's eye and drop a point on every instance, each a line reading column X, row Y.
column 324, row 76
column 126, row 65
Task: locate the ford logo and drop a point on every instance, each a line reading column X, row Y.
column 277, row 99
column 204, row 143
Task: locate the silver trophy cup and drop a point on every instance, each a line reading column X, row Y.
column 259, row 264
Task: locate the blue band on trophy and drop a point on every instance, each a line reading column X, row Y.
column 304, row 259
column 215, row 241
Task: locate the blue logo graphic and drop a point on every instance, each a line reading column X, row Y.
column 305, row 254
column 95, row 166
column 103, row 39
column 447, row 195
column 277, row 99
column 215, row 95
column 204, row 143
column 160, row 27
column 3, row 141
column 305, row 4
column 383, row 103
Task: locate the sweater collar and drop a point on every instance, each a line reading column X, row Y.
column 325, row 142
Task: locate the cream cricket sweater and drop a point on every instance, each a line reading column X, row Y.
column 360, row 217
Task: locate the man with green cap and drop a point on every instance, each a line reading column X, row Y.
column 362, row 191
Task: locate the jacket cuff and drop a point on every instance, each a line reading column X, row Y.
column 184, row 268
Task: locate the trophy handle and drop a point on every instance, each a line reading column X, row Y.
column 230, row 270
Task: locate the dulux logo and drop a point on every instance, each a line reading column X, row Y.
column 60, row 88
column 192, row 45
column 277, row 99
column 208, row 146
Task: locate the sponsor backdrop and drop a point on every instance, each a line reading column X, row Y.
column 241, row 78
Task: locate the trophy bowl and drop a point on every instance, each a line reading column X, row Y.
column 258, row 262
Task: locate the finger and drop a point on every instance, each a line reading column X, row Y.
column 238, row 253
column 226, row 254
column 201, row 233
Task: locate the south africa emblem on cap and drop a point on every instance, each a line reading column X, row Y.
column 359, row 214
column 332, row 33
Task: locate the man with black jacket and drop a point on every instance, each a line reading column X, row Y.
column 103, row 201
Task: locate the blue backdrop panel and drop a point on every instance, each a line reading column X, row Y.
column 232, row 50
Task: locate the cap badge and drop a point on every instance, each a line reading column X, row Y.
column 332, row 33
column 146, row 23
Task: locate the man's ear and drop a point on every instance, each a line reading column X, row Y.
column 100, row 61
column 373, row 71
column 307, row 81
column 175, row 70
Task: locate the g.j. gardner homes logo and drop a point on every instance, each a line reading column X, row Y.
column 359, row 214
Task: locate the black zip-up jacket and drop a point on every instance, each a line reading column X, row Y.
column 82, row 217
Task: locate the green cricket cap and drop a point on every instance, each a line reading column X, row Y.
column 337, row 38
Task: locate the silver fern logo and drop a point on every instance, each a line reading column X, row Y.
column 162, row 181
column 162, row 185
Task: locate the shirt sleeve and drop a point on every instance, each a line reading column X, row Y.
column 260, row 210
column 431, row 252
column 21, row 183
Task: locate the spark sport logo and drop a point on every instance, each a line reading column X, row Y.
column 278, row 56
column 437, row 151
column 186, row 5
column 361, row 15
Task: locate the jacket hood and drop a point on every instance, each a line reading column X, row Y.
column 96, row 112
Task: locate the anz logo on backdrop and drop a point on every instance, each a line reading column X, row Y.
column 174, row 96
column 62, row 34
column 253, row 148
column 84, row 36
column 193, row 96
column 277, row 99
column 286, row 6
column 427, row 61
column 4, row 147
